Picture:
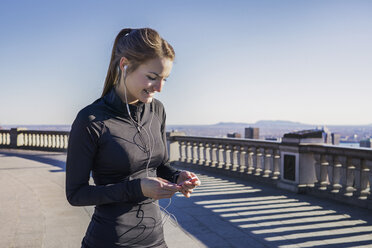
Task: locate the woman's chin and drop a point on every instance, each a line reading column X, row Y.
column 147, row 100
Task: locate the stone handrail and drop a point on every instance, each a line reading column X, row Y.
column 34, row 139
column 340, row 173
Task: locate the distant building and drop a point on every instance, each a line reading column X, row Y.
column 366, row 143
column 313, row 136
column 252, row 133
column 336, row 138
column 234, row 135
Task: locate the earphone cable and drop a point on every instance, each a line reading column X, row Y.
column 151, row 148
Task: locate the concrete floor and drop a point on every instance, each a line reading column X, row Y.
column 223, row 212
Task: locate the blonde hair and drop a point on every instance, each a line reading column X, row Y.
column 138, row 46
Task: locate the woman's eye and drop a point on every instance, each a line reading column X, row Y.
column 151, row 78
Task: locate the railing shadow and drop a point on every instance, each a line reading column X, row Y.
column 226, row 212
column 57, row 159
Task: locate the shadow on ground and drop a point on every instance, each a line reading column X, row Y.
column 226, row 212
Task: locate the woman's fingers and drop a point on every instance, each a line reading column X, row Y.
column 158, row 188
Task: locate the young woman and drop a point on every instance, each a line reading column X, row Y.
column 120, row 140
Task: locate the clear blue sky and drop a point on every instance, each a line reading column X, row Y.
column 236, row 61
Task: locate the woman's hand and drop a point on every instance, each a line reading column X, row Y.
column 158, row 188
column 187, row 181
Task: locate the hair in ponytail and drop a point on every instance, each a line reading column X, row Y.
column 138, row 46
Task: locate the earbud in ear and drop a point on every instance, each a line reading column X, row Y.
column 125, row 68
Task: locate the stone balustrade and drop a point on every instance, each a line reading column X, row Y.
column 335, row 172
column 18, row 138
column 341, row 171
column 238, row 156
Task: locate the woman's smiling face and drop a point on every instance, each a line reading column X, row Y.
column 148, row 78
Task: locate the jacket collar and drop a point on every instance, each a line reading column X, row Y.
column 113, row 101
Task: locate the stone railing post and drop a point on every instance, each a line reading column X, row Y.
column 214, row 155
column 14, row 138
column 201, row 153
column 183, row 151
column 259, row 158
column 364, row 181
column 221, row 156
column 188, row 152
column 207, row 154
column 336, row 177
column 276, row 172
column 243, row 160
column 195, row 154
column 250, row 160
column 228, row 158
column 323, row 183
column 235, row 162
column 350, row 177
column 267, row 163
column 174, row 151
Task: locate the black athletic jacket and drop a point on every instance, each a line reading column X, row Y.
column 105, row 143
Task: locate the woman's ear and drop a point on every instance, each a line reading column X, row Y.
column 123, row 62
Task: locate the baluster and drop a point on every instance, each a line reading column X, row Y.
column 188, row 152
column 66, row 141
column 350, row 177
column 221, row 158
column 57, row 141
column 364, row 182
column 235, row 162
column 195, row 152
column 267, row 163
column 242, row 160
column 201, row 153
column 60, row 142
column 41, row 140
column 214, row 154
column 228, row 157
column 30, row 139
column 276, row 169
column 258, row 162
column 250, row 160
column 207, row 154
column 183, row 151
column 336, row 186
column 323, row 172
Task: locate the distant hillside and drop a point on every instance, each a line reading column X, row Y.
column 271, row 128
column 40, row 127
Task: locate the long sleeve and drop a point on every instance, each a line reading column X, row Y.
column 82, row 148
column 165, row 170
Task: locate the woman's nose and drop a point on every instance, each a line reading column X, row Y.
column 158, row 85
